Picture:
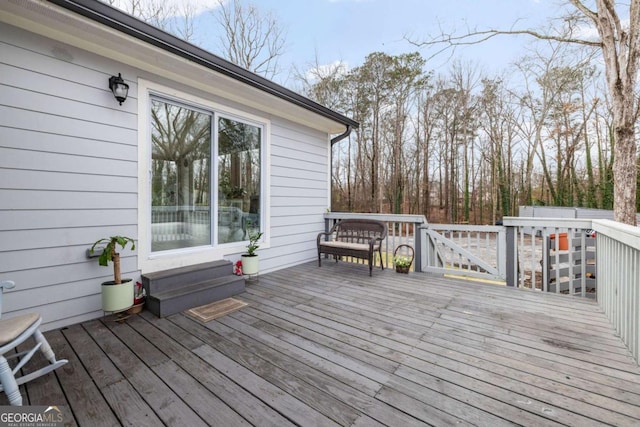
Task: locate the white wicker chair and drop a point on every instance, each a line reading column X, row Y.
column 13, row 332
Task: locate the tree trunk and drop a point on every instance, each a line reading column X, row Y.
column 117, row 275
column 621, row 53
column 624, row 175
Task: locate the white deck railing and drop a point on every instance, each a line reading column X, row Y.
column 175, row 223
column 618, row 255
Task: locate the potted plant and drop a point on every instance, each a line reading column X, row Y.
column 250, row 259
column 403, row 261
column 117, row 295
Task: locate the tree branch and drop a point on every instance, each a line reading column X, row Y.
column 585, row 10
column 477, row 37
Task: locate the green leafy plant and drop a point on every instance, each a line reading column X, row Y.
column 253, row 243
column 402, row 261
column 110, row 253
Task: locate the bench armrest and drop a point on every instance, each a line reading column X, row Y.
column 373, row 240
column 320, row 235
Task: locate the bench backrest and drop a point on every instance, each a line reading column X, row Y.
column 359, row 230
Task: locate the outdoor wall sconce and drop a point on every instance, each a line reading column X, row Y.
column 119, row 88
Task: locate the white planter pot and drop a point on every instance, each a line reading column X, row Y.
column 250, row 264
column 117, row 297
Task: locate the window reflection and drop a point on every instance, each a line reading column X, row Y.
column 238, row 180
column 180, row 177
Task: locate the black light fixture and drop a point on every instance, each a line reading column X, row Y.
column 119, row 88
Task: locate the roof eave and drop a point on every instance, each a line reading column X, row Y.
column 120, row 21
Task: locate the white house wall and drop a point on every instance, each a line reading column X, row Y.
column 299, row 194
column 68, row 176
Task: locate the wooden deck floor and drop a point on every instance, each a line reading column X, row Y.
column 332, row 346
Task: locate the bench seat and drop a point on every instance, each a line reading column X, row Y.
column 352, row 246
column 358, row 238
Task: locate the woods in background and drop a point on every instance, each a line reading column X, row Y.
column 463, row 146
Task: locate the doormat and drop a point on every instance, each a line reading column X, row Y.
column 212, row 311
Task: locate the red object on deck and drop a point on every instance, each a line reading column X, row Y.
column 563, row 244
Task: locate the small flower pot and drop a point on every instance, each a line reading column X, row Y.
column 136, row 308
column 563, row 241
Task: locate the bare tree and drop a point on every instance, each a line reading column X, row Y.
column 250, row 39
column 620, row 47
column 171, row 17
column 497, row 121
column 621, row 51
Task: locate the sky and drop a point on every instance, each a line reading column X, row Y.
column 349, row 30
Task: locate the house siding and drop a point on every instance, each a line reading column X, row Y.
column 299, row 194
column 68, row 176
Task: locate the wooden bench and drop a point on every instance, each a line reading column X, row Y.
column 358, row 238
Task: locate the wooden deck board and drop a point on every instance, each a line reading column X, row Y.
column 45, row 390
column 173, row 341
column 333, row 346
column 368, row 317
column 168, row 406
column 251, row 363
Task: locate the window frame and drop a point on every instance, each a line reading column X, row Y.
column 149, row 261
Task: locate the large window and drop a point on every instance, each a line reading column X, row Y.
column 186, row 194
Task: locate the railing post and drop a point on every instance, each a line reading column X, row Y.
column 327, row 228
column 501, row 243
column 512, row 256
column 417, row 234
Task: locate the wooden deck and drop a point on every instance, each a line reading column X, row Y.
column 332, row 346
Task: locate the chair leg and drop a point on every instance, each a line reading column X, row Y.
column 9, row 383
column 371, row 258
column 45, row 348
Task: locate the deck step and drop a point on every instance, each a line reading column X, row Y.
column 162, row 281
column 179, row 289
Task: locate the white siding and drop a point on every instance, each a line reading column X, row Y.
column 68, row 176
column 299, row 194
column 68, row 166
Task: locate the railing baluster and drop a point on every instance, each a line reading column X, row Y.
column 522, row 251
column 533, row 261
